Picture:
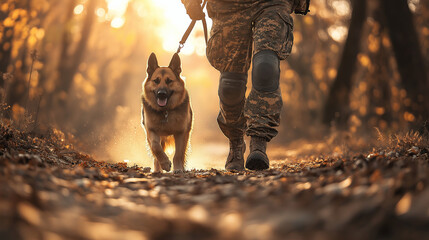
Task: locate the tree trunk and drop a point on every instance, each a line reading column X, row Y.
column 5, row 45
column 70, row 63
column 409, row 59
column 5, row 52
column 337, row 104
column 379, row 80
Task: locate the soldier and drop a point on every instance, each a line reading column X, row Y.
column 238, row 27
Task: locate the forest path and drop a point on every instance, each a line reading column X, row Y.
column 48, row 191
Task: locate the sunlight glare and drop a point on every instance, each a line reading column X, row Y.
column 338, row 33
column 116, row 10
column 173, row 24
column 117, row 22
column 100, row 12
column 78, row 9
column 117, row 7
column 413, row 4
column 341, row 7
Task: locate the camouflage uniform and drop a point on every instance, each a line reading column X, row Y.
column 238, row 26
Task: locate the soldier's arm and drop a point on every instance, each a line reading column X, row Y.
column 187, row 1
column 193, row 9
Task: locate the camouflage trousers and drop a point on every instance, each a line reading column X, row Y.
column 240, row 30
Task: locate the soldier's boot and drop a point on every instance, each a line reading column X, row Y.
column 235, row 160
column 257, row 159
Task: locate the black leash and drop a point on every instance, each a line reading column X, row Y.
column 189, row 30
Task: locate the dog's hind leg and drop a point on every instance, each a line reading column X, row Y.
column 163, row 144
column 181, row 142
column 155, row 145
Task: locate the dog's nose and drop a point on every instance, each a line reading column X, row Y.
column 162, row 93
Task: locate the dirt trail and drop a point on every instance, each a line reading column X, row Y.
column 49, row 191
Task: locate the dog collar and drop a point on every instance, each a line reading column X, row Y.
column 165, row 120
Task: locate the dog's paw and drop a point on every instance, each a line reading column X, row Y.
column 166, row 165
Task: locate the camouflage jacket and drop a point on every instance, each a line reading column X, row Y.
column 231, row 6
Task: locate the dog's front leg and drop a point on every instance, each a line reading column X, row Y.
column 157, row 166
column 160, row 157
column 181, row 142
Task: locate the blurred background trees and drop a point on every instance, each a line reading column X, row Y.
column 355, row 65
column 402, row 34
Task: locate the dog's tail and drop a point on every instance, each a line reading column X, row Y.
column 168, row 145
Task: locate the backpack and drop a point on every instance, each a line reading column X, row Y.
column 301, row 6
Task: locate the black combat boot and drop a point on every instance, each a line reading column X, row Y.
column 235, row 160
column 257, row 159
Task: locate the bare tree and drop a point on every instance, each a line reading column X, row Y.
column 69, row 62
column 5, row 43
column 409, row 58
column 337, row 104
column 396, row 17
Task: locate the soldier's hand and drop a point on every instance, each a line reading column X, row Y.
column 194, row 10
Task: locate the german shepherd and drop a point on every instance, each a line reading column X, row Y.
column 166, row 113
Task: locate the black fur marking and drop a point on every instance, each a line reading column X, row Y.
column 163, row 72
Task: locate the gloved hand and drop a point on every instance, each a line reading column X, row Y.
column 193, row 9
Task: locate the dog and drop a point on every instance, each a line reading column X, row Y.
column 166, row 113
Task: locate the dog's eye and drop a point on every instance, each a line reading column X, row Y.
column 157, row 80
column 168, row 81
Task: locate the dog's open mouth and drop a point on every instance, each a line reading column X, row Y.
column 162, row 98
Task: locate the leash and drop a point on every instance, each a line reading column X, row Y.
column 189, row 30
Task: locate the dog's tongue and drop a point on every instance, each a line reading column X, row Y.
column 162, row 102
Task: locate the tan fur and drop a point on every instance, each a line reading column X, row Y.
column 170, row 122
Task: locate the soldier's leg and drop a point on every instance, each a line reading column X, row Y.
column 273, row 42
column 229, row 51
column 263, row 107
column 232, row 90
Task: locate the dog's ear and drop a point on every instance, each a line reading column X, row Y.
column 152, row 64
column 175, row 64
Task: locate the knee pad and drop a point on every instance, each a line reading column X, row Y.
column 266, row 71
column 232, row 87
